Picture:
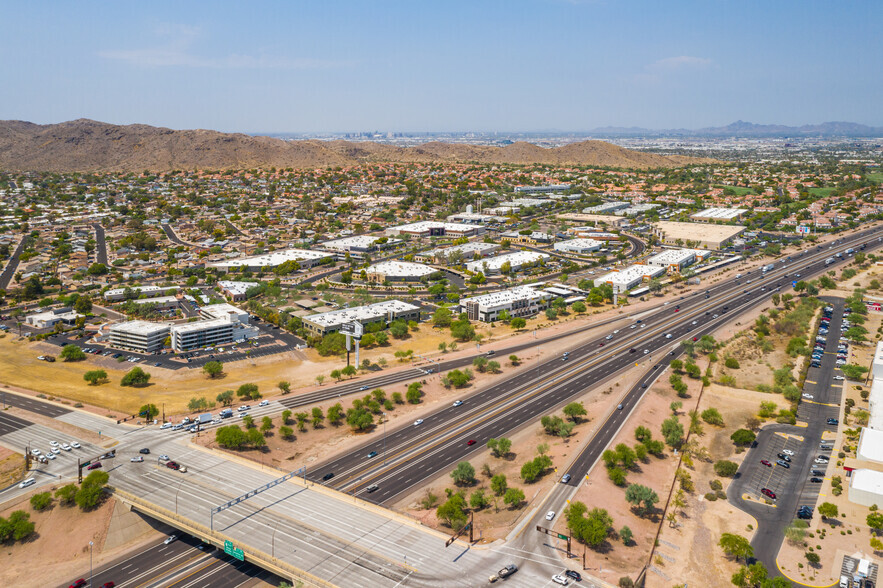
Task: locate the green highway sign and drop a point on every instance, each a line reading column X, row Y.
column 560, row 536
column 233, row 552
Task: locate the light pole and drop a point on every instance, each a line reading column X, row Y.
column 176, row 495
column 384, row 437
column 90, row 563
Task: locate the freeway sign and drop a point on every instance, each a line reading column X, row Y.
column 233, row 552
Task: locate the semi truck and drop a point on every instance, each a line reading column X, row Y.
column 767, row 268
column 205, row 418
column 829, row 261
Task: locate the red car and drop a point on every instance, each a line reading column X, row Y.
column 768, row 493
column 108, row 585
column 94, row 466
column 173, row 465
column 695, row 339
column 470, row 442
column 600, row 344
column 766, row 462
column 78, row 583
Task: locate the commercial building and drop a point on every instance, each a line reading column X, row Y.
column 458, row 253
column 542, row 189
column 526, row 202
column 303, row 257
column 606, row 208
column 599, row 219
column 132, row 292
column 48, row 319
column 866, row 487
column 235, row 291
column 330, row 322
column 531, row 238
column 436, row 229
column 630, row 277
column 213, row 311
column 519, row 301
column 160, row 302
column 578, row 246
column 142, row 336
column 189, row 336
column 475, row 218
column 719, row 214
column 357, row 244
column 877, row 364
column 707, row 236
column 398, row 271
column 517, row 261
column 674, row 260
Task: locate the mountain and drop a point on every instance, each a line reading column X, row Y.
column 741, row 128
column 87, row 145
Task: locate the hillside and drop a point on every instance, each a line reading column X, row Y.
column 87, row 145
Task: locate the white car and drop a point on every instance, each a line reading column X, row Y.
column 66, row 447
column 807, row 396
column 559, row 579
column 166, row 426
column 264, row 403
column 550, row 515
column 788, row 452
column 668, row 335
column 75, row 445
column 616, row 331
column 137, row 459
column 608, row 337
column 693, row 323
column 458, row 402
column 36, row 452
column 53, row 443
column 839, row 378
column 169, row 539
column 646, row 351
column 418, row 422
column 819, row 460
column 56, row 450
column 28, row 482
column 633, row 326
column 50, row 455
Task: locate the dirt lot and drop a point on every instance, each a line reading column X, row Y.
column 12, row 467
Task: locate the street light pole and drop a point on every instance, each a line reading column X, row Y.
column 90, row 563
column 384, row 437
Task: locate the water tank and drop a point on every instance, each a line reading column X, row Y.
column 468, row 209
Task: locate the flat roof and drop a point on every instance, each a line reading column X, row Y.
column 139, row 327
column 272, row 259
column 345, row 243
column 424, row 226
column 140, row 289
column 236, row 287
column 475, row 246
column 197, row 326
column 581, row 243
column 401, row 268
column 720, row 213
column 698, row 231
column 875, row 404
column 632, row 273
column 221, row 309
column 361, row 313
column 867, row 480
column 672, row 256
column 506, row 296
column 870, row 445
column 516, row 258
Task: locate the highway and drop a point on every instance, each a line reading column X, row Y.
column 410, row 454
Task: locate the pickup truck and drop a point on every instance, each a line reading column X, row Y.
column 504, row 573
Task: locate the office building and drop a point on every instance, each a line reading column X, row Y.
column 387, row 311
column 141, row 336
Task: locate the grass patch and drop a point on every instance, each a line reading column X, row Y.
column 823, row 192
column 738, row 190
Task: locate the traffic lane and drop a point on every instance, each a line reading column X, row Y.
column 12, row 263
column 33, row 405
column 227, row 572
column 10, row 423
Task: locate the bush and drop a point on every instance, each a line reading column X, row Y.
column 731, row 363
column 726, row 469
column 41, row 501
column 743, row 437
column 712, row 416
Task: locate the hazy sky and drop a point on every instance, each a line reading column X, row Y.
column 443, row 65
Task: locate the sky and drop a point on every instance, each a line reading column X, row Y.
column 444, row 65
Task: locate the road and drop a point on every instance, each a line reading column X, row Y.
column 100, row 244
column 791, row 485
column 12, row 264
column 407, row 455
column 173, row 237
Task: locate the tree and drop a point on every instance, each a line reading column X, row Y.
column 248, row 421
column 83, row 305
column 359, row 419
column 414, row 393
column 317, row 417
column 673, row 432
column 256, row 438
column 231, row 437
column 451, row 512
column 643, row 434
column 513, row 497
column 335, row 414
column 828, row 510
column 480, row 363
column 626, row 535
column 499, row 484
column 575, row 410
column 91, row 490
column 875, row 520
column 335, row 374
column 18, row 527
column 592, row 527
column 463, row 474
column 286, row 432
column 442, row 317
column 642, row 497
column 213, row 369
column 225, row 398
column 266, row 424
column 148, row 411
column 349, row 370
column 725, row 469
column 301, row 418
column 675, row 406
column 67, row 494
column 136, row 377
column 736, row 546
column 812, row 557
column 197, row 404
column 319, row 379
column 71, row 352
column 247, row 391
column 478, row 500
column 712, row 416
column 41, row 501
column 518, row 323
column 743, row 437
column 95, row 377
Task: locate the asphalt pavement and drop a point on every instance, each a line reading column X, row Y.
column 12, row 264
column 100, row 244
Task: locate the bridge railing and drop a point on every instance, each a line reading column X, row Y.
column 252, row 555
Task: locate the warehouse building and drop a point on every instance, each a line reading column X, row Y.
column 303, row 257
column 519, row 301
column 624, row 280
column 475, row 218
column 866, row 487
column 436, row 229
column 358, row 244
column 578, row 246
column 719, row 214
column 526, row 203
column 517, row 261
column 877, row 365
column 606, row 208
column 458, row 253
column 674, row 260
column 707, row 236
column 324, row 323
column 531, row 238
column 141, row 336
column 542, row 189
column 399, row 271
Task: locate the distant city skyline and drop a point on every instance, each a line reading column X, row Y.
column 402, row 66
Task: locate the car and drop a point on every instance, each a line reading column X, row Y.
column 50, row 455
column 372, row 488
column 53, row 443
column 601, row 344
column 458, row 403
column 418, row 422
column 804, row 514
column 108, row 585
column 363, row 388
column 819, row 460
column 693, row 323
column 784, row 464
column 264, row 403
column 816, row 480
column 75, row 445
column 27, row 482
column 166, row 426
column 372, row 454
column 470, row 442
column 632, row 350
column 668, row 335
column 164, row 457
column 179, row 427
column 243, row 408
column 170, row 539
column 144, row 451
column 618, row 407
column 609, row 337
column 94, row 466
column 646, row 351
column 559, row 579
column 695, row 338
column 784, row 457
column 243, row 415
column 550, row 515
column 137, row 459
column 79, row 583
column 768, row 493
column 565, row 478
column 766, row 462
column 36, row 452
column 173, row 465
column 327, row 476
column 573, row 574
column 66, row 447
column 833, row 422
column 788, row 452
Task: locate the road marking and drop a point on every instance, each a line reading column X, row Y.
column 811, row 382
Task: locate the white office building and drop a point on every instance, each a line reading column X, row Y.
column 139, row 291
column 436, row 229
column 142, row 336
column 866, row 487
column 625, row 279
column 303, row 257
column 517, row 261
column 606, row 208
column 464, row 252
column 720, row 214
column 189, row 336
column 578, row 246
column 386, row 312
column 213, row 311
column 398, row 271
column 677, row 259
column 519, row 301
column 357, row 244
column 235, row 291
column 48, row 319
